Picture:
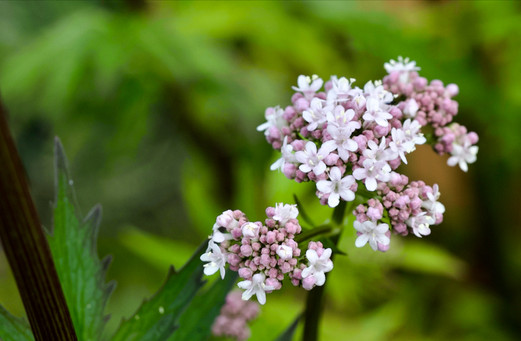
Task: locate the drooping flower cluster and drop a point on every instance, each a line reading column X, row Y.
column 234, row 316
column 263, row 254
column 345, row 137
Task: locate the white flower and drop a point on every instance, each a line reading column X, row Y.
column 318, row 266
column 432, row 204
column 342, row 141
column 372, row 171
column 284, row 252
column 411, row 108
column 462, row 154
column 412, row 130
column 275, row 118
column 250, row 230
column 287, row 155
column 379, row 152
column 341, row 118
column 308, row 85
column 311, row 159
column 401, row 65
column 255, row 287
column 375, row 112
column 285, row 212
column 315, row 114
column 216, row 259
column 372, row 233
column 337, row 188
column 340, row 89
column 377, row 91
column 420, row 224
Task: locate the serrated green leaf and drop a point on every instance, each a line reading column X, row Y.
column 288, row 334
column 196, row 322
column 73, row 246
column 13, row 328
column 158, row 317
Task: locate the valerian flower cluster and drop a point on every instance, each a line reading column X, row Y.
column 343, row 137
column 264, row 254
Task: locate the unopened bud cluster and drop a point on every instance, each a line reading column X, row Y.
column 344, row 137
column 234, row 316
column 265, row 253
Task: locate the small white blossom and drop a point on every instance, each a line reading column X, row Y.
column 375, row 112
column 401, row 65
column 376, row 90
column 340, row 89
column 308, row 85
column 379, row 152
column 250, row 230
column 411, row 108
column 420, row 224
column 342, row 141
column 432, row 204
column 463, row 153
column 284, row 252
column 311, row 159
column 337, row 188
column 285, row 212
column 371, row 172
column 287, row 156
column 315, row 114
column 318, row 266
column 216, row 260
column 372, row 233
column 255, row 287
column 274, row 118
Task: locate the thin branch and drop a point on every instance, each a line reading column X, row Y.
column 27, row 250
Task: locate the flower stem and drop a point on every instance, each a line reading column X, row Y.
column 314, row 301
column 27, row 250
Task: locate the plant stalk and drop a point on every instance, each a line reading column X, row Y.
column 314, row 300
column 27, row 250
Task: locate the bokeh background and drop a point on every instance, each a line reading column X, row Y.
column 156, row 104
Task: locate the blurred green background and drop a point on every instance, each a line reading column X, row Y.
column 156, row 104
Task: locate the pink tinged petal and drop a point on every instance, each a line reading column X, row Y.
column 327, row 147
column 382, row 228
column 347, row 194
column 370, row 184
column 335, row 174
column 306, row 272
column 452, row 161
column 312, row 256
column 301, row 156
column 311, row 148
column 333, row 200
column 358, row 226
column 343, row 153
column 320, row 277
column 320, row 168
column 210, row 270
column 463, row 166
column 325, row 186
column 326, row 254
column 360, row 173
column 305, row 168
column 277, row 164
column 261, row 296
column 373, row 244
column 361, row 240
column 245, row 285
column 351, row 145
column 381, row 121
column 383, row 239
column 223, row 272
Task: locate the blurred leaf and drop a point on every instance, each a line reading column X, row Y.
column 427, row 258
column 13, row 328
column 196, row 322
column 158, row 251
column 158, row 317
column 288, row 334
column 73, row 246
column 303, row 212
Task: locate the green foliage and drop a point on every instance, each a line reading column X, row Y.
column 158, row 317
column 196, row 322
column 73, row 246
column 288, row 334
column 13, row 328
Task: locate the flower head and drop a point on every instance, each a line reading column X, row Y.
column 318, row 265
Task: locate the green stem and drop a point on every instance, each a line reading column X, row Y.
column 314, row 301
column 27, row 250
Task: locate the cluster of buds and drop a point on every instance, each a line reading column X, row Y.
column 264, row 254
column 234, row 316
column 345, row 137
